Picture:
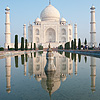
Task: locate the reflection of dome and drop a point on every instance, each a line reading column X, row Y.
column 50, row 13
column 8, row 90
column 38, row 20
column 37, row 67
column 63, row 78
column 63, row 20
column 93, row 90
column 55, row 85
column 76, row 73
column 38, row 78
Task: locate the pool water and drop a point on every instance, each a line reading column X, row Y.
column 77, row 77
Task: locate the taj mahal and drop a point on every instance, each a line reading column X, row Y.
column 49, row 28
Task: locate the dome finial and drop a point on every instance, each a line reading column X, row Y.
column 49, row 2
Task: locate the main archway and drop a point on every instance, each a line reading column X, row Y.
column 50, row 35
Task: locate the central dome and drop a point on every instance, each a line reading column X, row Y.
column 50, row 13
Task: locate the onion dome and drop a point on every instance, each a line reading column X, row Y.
column 7, row 8
column 38, row 20
column 50, row 13
column 63, row 20
column 50, row 86
column 92, row 8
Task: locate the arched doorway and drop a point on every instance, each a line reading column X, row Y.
column 63, row 31
column 50, row 35
column 63, row 39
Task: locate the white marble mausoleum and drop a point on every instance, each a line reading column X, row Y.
column 50, row 28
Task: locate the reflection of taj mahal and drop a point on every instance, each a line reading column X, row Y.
column 50, row 81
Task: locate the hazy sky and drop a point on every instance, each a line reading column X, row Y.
column 74, row 11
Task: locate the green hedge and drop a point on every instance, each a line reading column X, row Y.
column 1, row 49
column 67, row 45
column 11, row 49
column 40, row 47
column 60, row 47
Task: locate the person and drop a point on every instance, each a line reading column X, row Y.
column 8, row 47
column 99, row 46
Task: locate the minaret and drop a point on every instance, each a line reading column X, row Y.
column 8, row 74
column 93, row 73
column 7, row 28
column 75, row 34
column 93, row 28
column 24, row 31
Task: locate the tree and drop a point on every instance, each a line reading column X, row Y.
column 85, row 42
column 60, row 47
column 34, row 46
column 16, row 42
column 75, row 44
column 40, row 47
column 67, row 45
column 25, row 44
column 31, row 45
column 22, row 43
column 72, row 44
column 79, row 44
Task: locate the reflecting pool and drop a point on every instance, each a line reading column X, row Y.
column 77, row 77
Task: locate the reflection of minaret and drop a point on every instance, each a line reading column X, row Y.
column 93, row 73
column 8, row 74
column 30, row 66
column 76, row 64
